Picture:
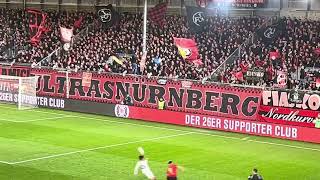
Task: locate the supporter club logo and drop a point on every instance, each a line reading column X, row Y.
column 105, row 15
column 121, row 111
column 185, row 52
column 198, row 18
column 269, row 33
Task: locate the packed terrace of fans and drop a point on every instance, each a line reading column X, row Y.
column 221, row 37
column 296, row 45
column 14, row 34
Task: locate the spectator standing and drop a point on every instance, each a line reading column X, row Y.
column 161, row 104
column 128, row 100
column 317, row 121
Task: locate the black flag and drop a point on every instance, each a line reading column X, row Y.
column 196, row 18
column 107, row 15
column 270, row 33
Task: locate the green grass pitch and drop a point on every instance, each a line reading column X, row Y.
column 43, row 144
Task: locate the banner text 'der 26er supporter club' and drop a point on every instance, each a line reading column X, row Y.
column 199, row 98
column 282, row 131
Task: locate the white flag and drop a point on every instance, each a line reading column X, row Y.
column 66, row 34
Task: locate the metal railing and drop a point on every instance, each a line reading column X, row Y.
column 46, row 60
column 82, row 33
column 59, row 51
column 161, row 77
column 229, row 60
column 151, row 77
column 181, row 80
column 239, row 51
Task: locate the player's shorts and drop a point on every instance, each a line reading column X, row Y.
column 172, row 178
column 148, row 173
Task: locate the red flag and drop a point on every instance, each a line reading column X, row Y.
column 77, row 24
column 274, row 55
column 66, row 34
column 157, row 13
column 244, row 67
column 318, row 82
column 317, row 51
column 197, row 62
column 239, row 76
column 37, row 22
column 187, row 48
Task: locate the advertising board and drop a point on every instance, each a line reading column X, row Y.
column 258, row 128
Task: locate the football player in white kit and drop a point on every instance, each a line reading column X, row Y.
column 145, row 169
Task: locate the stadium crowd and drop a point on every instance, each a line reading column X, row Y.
column 297, row 58
column 14, row 32
column 220, row 38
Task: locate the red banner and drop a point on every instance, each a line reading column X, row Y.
column 16, row 71
column 281, row 80
column 206, row 99
column 225, row 124
column 290, row 107
column 274, row 55
column 77, row 24
column 281, row 106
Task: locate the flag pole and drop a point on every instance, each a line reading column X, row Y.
column 144, row 39
column 144, row 42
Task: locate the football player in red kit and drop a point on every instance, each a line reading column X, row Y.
column 172, row 171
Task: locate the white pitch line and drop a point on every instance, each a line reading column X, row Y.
column 200, row 133
column 245, row 138
column 196, row 132
column 5, row 162
column 285, row 145
column 34, row 110
column 33, row 120
column 135, row 124
column 97, row 148
column 158, row 127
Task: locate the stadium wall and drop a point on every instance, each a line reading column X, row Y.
column 272, row 113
